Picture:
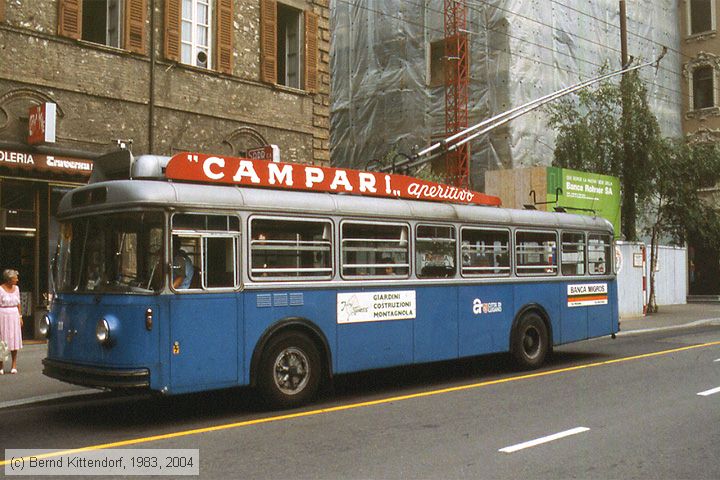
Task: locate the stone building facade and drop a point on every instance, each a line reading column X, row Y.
column 159, row 76
column 700, row 49
column 154, row 97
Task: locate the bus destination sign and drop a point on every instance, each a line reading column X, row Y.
column 198, row 167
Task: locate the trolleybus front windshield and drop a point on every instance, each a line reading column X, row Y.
column 109, row 253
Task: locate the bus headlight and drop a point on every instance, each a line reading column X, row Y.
column 44, row 326
column 102, row 331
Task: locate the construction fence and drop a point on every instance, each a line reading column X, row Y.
column 632, row 263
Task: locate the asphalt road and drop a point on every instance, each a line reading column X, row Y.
column 624, row 408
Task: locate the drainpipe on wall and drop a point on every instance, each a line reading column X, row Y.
column 151, row 109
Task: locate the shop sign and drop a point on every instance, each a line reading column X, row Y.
column 269, row 153
column 203, row 168
column 46, row 163
column 41, row 123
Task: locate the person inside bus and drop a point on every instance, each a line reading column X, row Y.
column 260, row 258
column 183, row 268
column 600, row 265
column 389, row 269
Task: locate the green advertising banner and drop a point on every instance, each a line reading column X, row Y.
column 583, row 193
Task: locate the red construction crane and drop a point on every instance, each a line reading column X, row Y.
column 457, row 79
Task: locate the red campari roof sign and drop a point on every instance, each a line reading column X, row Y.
column 198, row 167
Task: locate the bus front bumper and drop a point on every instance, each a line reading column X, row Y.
column 96, row 377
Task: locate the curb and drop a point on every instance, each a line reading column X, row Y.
column 697, row 323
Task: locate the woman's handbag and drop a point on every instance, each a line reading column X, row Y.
column 4, row 351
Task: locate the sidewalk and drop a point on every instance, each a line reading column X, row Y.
column 671, row 316
column 30, row 385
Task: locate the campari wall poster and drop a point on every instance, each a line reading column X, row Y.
column 585, row 191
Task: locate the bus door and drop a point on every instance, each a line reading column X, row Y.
column 375, row 326
column 574, row 316
column 601, row 312
column 436, row 326
column 205, row 317
column 486, row 304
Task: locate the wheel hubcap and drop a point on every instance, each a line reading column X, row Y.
column 292, row 371
column 531, row 342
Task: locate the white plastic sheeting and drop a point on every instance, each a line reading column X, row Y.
column 520, row 50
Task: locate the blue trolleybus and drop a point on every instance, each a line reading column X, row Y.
column 182, row 286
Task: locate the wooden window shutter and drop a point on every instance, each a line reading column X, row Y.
column 224, row 50
column 70, row 18
column 268, row 41
column 311, row 51
column 135, row 26
column 173, row 17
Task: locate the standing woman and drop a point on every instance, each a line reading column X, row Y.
column 10, row 316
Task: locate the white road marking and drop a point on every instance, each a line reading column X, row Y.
column 709, row 392
column 717, row 360
column 44, row 398
column 539, row 441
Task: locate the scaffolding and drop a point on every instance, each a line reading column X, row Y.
column 383, row 61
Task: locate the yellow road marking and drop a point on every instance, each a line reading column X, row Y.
column 353, row 406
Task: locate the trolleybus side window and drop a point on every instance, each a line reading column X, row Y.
column 204, row 251
column 599, row 254
column 374, row 249
column 435, row 251
column 536, row 253
column 573, row 253
column 290, row 249
column 485, row 252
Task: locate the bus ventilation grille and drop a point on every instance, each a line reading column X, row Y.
column 264, row 300
column 296, row 299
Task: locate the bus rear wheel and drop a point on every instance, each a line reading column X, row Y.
column 530, row 344
column 290, row 370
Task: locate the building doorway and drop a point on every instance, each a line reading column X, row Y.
column 17, row 253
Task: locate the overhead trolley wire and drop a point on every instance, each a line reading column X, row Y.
column 580, row 37
column 618, row 28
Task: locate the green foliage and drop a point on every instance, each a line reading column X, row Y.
column 678, row 170
column 611, row 130
column 424, row 172
column 588, row 130
column 594, row 135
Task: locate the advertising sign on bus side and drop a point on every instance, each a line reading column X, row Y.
column 587, row 294
column 375, row 306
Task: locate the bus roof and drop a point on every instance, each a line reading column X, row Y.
column 227, row 170
column 120, row 195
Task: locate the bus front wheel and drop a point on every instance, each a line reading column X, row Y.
column 530, row 342
column 290, row 370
